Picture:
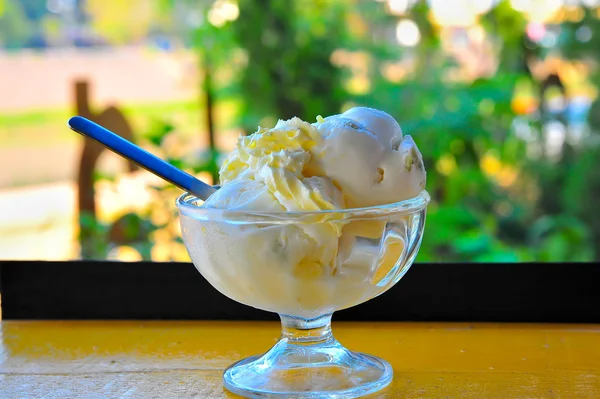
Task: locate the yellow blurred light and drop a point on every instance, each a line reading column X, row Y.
column 230, row 10
column 179, row 253
column 574, row 74
column 393, row 72
column 490, row 165
column 538, row 10
column 356, row 24
column 160, row 216
column 591, row 92
column 575, row 14
column 223, row 11
column 205, row 177
column 161, row 236
column 507, row 176
column 558, row 17
column 215, row 18
column 129, row 193
column 524, row 104
column 175, row 227
column 358, row 84
column 446, row 164
column 340, row 57
column 357, row 61
column 407, row 33
column 161, row 252
column 126, row 253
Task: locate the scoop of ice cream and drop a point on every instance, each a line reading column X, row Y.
column 355, row 159
column 280, row 159
column 364, row 153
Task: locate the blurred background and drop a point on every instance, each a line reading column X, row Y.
column 501, row 97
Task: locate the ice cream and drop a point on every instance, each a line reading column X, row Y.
column 365, row 154
column 356, row 159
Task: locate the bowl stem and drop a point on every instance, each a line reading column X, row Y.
column 298, row 330
column 308, row 362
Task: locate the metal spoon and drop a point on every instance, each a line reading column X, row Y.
column 146, row 160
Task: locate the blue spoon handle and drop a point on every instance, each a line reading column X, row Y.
column 141, row 157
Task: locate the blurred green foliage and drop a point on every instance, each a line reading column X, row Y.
column 500, row 193
column 489, row 197
column 288, row 70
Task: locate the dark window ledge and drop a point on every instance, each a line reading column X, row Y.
column 515, row 292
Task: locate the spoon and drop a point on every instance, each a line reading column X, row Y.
column 143, row 158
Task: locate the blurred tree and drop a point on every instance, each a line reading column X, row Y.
column 575, row 180
column 463, row 130
column 35, row 10
column 289, row 47
column 132, row 23
column 498, row 193
column 15, row 27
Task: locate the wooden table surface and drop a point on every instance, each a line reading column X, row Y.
column 185, row 359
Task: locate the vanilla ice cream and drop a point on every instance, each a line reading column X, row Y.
column 364, row 153
column 356, row 159
column 361, row 153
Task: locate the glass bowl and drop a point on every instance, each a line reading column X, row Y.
column 304, row 266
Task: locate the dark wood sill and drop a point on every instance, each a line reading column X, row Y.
column 515, row 292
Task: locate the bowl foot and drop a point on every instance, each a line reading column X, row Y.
column 323, row 370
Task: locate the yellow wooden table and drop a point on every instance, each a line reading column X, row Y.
column 185, row 359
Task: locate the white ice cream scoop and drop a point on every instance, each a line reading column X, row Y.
column 365, row 155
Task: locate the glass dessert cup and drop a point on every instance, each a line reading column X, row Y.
column 305, row 266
